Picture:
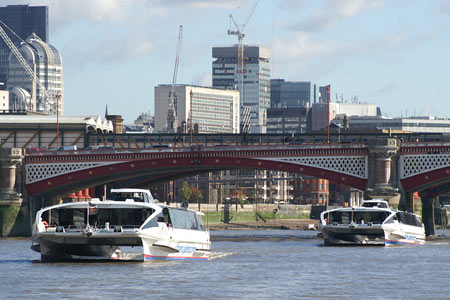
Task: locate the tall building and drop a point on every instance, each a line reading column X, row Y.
column 23, row 20
column 290, row 93
column 213, row 110
column 323, row 94
column 255, row 77
column 46, row 62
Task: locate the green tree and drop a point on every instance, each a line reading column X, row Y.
column 186, row 191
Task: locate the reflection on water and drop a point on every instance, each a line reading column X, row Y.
column 284, row 264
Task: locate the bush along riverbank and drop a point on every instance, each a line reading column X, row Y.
column 256, row 220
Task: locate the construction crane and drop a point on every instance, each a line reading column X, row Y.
column 239, row 32
column 25, row 65
column 172, row 120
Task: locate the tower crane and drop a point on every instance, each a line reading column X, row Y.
column 172, row 120
column 25, row 65
column 239, row 32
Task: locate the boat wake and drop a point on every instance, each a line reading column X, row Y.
column 216, row 255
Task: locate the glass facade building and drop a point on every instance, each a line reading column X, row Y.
column 290, row 93
column 289, row 120
column 255, row 89
column 46, row 62
column 23, row 20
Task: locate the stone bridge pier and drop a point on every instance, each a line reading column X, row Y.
column 382, row 171
column 14, row 212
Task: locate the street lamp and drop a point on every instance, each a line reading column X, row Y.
column 339, row 125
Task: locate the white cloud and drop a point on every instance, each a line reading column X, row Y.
column 304, row 52
column 332, row 11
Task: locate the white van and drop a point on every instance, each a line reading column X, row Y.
column 68, row 148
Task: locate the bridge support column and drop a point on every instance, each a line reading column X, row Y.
column 428, row 204
column 380, row 178
column 14, row 215
column 408, row 202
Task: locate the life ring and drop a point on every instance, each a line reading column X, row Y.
column 45, row 223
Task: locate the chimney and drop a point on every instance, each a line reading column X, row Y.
column 117, row 122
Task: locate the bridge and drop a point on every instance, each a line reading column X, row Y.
column 385, row 167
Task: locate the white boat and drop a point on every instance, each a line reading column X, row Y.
column 131, row 217
column 373, row 223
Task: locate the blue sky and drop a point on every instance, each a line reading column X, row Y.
column 394, row 53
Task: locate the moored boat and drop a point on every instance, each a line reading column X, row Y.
column 131, row 217
column 373, row 223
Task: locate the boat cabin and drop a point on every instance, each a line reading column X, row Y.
column 375, row 203
column 136, row 195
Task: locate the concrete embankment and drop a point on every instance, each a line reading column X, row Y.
column 299, row 224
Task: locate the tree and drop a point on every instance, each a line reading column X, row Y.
column 196, row 194
column 186, row 191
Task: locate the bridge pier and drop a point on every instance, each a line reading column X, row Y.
column 14, row 212
column 428, row 204
column 381, row 174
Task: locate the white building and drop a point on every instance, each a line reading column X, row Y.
column 253, row 83
column 425, row 124
column 214, row 110
column 319, row 119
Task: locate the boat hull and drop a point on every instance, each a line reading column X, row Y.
column 157, row 249
column 396, row 237
column 347, row 235
column 61, row 246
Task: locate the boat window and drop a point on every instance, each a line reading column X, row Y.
column 391, row 219
column 199, row 222
column 358, row 217
column 408, row 219
column 374, row 217
column 122, row 196
column 184, row 219
column 375, row 204
column 77, row 218
column 153, row 222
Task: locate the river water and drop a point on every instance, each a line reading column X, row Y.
column 285, row 264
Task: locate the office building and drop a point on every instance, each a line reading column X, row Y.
column 23, row 20
column 290, row 93
column 253, row 81
column 426, row 124
column 289, row 120
column 46, row 62
column 213, row 110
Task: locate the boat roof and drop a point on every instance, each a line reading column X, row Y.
column 118, row 204
column 128, row 190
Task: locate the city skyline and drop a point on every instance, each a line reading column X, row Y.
column 390, row 53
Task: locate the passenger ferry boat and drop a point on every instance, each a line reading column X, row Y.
column 131, row 217
column 374, row 223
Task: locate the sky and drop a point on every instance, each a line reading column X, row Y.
column 393, row 53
